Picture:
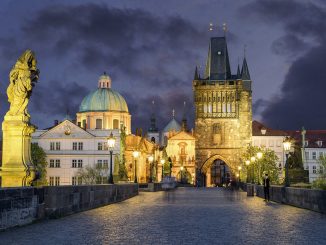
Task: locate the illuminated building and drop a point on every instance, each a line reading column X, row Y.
column 223, row 115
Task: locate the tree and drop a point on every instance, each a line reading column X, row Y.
column 90, row 175
column 122, row 169
column 40, row 164
column 257, row 169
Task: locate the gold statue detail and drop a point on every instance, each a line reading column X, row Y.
column 23, row 77
column 17, row 168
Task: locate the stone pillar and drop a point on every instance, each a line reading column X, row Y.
column 17, row 168
column 208, row 177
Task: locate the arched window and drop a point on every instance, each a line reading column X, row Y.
column 115, row 124
column 98, row 123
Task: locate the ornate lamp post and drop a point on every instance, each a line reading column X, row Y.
column 111, row 143
column 287, row 148
column 253, row 159
column 239, row 168
column 162, row 162
column 135, row 155
column 151, row 159
column 247, row 165
column 259, row 156
column 181, row 174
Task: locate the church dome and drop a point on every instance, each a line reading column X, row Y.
column 173, row 125
column 103, row 98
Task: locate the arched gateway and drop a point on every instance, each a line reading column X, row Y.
column 223, row 115
column 216, row 171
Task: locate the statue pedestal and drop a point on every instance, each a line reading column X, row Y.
column 17, row 168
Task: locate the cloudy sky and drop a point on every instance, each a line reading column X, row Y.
column 150, row 50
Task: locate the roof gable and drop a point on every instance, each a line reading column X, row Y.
column 66, row 129
column 182, row 136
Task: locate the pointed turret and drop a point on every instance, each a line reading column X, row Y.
column 245, row 75
column 196, row 77
column 238, row 72
column 217, row 64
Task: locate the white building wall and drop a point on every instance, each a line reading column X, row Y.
column 274, row 143
column 311, row 162
column 89, row 155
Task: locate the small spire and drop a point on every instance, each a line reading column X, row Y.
column 153, row 127
column 173, row 112
column 245, row 75
column 196, row 77
column 238, row 72
column 184, row 126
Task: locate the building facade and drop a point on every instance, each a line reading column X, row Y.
column 263, row 136
column 70, row 147
column 223, row 115
column 313, row 147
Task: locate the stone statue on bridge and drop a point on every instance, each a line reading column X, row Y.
column 17, row 168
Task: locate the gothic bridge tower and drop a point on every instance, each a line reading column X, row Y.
column 223, row 115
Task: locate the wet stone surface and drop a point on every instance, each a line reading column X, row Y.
column 183, row 216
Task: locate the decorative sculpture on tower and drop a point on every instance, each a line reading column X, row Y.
column 17, row 167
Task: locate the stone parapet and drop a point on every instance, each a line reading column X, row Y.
column 299, row 197
column 21, row 206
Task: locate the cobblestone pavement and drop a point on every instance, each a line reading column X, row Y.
column 183, row 216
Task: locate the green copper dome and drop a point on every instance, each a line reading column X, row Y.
column 103, row 99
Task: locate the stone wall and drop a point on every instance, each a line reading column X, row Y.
column 303, row 198
column 64, row 200
column 21, row 206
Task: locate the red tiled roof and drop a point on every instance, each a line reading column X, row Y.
column 312, row 136
column 257, row 130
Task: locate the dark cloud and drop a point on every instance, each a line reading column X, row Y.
column 289, row 45
column 125, row 40
column 301, row 101
column 146, row 56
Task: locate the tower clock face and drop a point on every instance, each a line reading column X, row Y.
column 67, row 129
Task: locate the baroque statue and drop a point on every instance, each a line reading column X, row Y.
column 23, row 77
column 17, row 167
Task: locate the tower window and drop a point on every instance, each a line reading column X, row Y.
column 98, row 123
column 115, row 124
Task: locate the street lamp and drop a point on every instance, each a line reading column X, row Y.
column 259, row 156
column 135, row 155
column 151, row 159
column 239, row 168
column 253, row 159
column 181, row 173
column 287, row 148
column 111, row 143
column 247, row 165
column 162, row 162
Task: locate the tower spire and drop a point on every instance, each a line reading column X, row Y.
column 153, row 127
column 196, row 77
column 245, row 75
column 184, row 126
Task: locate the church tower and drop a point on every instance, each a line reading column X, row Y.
column 223, row 114
column 153, row 134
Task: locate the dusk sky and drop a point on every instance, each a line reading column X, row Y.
column 150, row 50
